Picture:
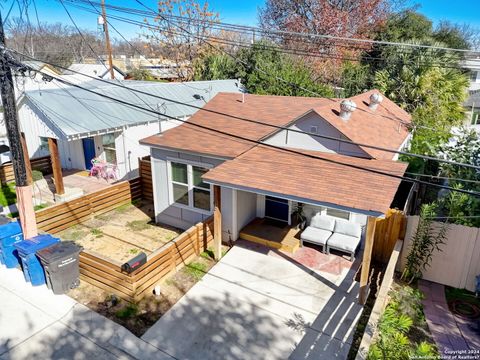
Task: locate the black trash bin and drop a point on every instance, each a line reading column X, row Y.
column 61, row 264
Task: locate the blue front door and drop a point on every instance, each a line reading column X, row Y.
column 88, row 152
column 276, row 208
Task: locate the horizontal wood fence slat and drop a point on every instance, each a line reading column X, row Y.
column 107, row 275
column 145, row 170
column 43, row 164
column 60, row 217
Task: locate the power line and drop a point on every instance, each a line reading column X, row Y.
column 284, row 50
column 260, row 143
column 258, row 30
column 393, row 151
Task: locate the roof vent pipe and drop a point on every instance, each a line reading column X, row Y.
column 375, row 100
column 243, row 97
column 346, row 109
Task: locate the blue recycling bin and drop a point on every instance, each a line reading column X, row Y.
column 10, row 234
column 32, row 268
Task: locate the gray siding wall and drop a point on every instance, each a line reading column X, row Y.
column 247, row 209
column 171, row 214
column 308, row 142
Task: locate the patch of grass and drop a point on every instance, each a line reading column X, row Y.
column 123, row 208
column 127, row 312
column 96, row 232
column 8, row 196
column 104, row 217
column 170, row 282
column 40, row 206
column 133, row 251
column 13, row 215
column 195, row 269
column 138, row 225
column 37, row 175
column 209, row 254
column 76, row 235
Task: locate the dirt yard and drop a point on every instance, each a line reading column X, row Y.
column 139, row 317
column 121, row 233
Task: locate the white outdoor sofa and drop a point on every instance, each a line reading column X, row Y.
column 333, row 233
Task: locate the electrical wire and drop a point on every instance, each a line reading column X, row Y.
column 277, row 148
column 277, row 127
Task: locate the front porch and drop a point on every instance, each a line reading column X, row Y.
column 273, row 234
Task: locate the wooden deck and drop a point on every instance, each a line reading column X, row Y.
column 272, row 234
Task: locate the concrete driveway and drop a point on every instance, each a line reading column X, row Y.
column 36, row 324
column 256, row 306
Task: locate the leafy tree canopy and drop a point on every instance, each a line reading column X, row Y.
column 259, row 68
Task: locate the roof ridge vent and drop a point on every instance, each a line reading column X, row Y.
column 347, row 106
column 375, row 100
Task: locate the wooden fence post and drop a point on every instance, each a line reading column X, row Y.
column 217, row 222
column 367, row 255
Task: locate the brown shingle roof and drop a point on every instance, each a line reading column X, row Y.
column 374, row 128
column 283, row 173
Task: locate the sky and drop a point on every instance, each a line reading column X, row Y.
column 238, row 12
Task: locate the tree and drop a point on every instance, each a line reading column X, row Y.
column 344, row 18
column 141, row 74
column 463, row 147
column 259, row 67
column 180, row 26
column 54, row 43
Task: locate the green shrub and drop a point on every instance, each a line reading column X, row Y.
column 37, row 175
column 195, row 269
column 138, row 225
column 127, row 312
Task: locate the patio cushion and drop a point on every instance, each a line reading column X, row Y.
column 322, row 222
column 343, row 242
column 348, row 228
column 315, row 235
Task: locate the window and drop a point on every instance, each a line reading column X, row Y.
column 188, row 188
column 313, row 129
column 475, row 118
column 44, row 143
column 338, row 213
column 108, row 142
column 473, row 76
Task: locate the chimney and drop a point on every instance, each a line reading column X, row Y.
column 346, row 109
column 375, row 100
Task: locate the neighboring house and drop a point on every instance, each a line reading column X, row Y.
column 260, row 181
column 96, row 70
column 472, row 110
column 88, row 126
column 472, row 105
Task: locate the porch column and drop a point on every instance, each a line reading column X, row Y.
column 56, row 165
column 28, row 165
column 367, row 255
column 217, row 222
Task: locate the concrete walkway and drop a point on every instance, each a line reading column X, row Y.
column 36, row 324
column 451, row 333
column 254, row 306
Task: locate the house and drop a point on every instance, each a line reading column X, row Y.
column 88, row 126
column 264, row 168
column 472, row 105
column 96, row 70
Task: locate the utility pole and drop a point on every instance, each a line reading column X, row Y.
column 23, row 187
column 107, row 40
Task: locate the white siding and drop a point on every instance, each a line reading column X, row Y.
column 306, row 141
column 246, row 209
column 170, row 213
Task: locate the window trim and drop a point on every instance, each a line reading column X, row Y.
column 190, row 186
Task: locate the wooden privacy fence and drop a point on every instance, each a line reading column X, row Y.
column 458, row 261
column 60, row 217
column 380, row 302
column 387, row 232
column 145, row 171
column 107, row 274
column 43, row 164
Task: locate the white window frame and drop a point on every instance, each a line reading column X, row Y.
column 190, row 165
column 324, row 212
column 43, row 147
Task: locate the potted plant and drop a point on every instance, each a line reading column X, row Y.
column 299, row 218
